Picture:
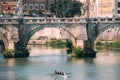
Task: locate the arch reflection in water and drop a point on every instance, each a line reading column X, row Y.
column 103, row 67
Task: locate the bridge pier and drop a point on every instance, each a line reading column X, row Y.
column 16, row 48
column 88, row 48
column 20, row 46
column 20, row 50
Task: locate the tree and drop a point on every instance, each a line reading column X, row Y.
column 69, row 46
column 65, row 8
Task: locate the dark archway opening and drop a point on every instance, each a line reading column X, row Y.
column 2, row 47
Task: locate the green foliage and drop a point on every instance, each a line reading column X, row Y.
column 20, row 51
column 69, row 50
column 99, row 45
column 107, row 45
column 65, row 8
column 11, row 14
column 56, row 44
column 69, row 46
column 77, row 52
column 8, row 51
column 16, row 54
column 8, row 54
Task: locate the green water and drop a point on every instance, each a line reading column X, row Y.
column 43, row 61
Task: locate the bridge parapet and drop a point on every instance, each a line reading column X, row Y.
column 105, row 20
column 44, row 20
column 52, row 20
column 9, row 21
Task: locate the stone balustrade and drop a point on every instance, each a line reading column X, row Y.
column 52, row 20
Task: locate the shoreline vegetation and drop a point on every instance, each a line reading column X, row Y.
column 16, row 54
column 78, row 51
column 108, row 45
column 56, row 44
column 70, row 49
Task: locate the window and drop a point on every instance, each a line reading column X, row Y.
column 42, row 7
column 31, row 6
column 118, row 4
column 37, row 6
column 9, row 8
column 25, row 6
column 118, row 11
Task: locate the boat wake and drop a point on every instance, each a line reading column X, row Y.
column 57, row 75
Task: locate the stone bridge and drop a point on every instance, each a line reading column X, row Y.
column 16, row 30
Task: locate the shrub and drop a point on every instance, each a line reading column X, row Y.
column 107, row 45
column 8, row 54
column 56, row 44
column 77, row 52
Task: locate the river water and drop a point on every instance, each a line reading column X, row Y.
column 43, row 61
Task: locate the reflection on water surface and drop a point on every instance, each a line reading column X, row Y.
column 44, row 60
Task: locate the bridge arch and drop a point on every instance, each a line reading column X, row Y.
column 35, row 28
column 66, row 33
column 102, row 28
column 94, row 30
column 72, row 37
column 30, row 34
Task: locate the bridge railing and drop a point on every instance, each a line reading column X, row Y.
column 33, row 20
column 105, row 20
column 11, row 20
column 52, row 20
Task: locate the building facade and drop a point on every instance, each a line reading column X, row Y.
column 37, row 7
column 89, row 8
column 105, row 8
column 8, row 7
column 117, row 8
